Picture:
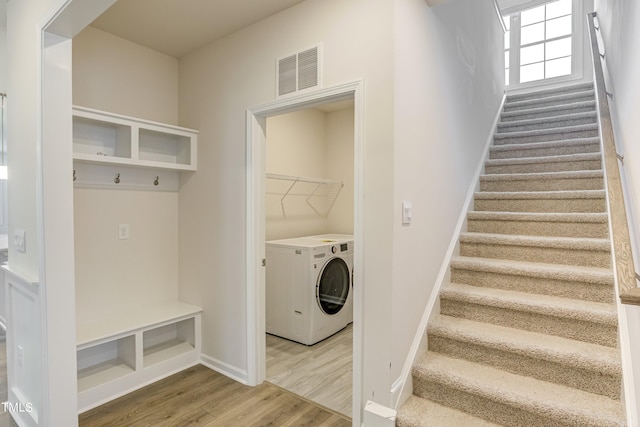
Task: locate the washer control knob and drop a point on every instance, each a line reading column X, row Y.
column 334, row 249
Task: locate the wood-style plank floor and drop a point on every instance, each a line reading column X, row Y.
column 200, row 396
column 322, row 373
column 5, row 418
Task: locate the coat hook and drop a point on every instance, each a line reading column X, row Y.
column 609, row 94
column 117, row 179
column 156, row 181
column 74, row 175
column 621, row 158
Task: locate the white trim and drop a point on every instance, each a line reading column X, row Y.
column 55, row 253
column 255, row 233
column 224, row 368
column 499, row 13
column 401, row 389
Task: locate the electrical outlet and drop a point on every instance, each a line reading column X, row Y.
column 20, row 356
column 123, row 231
column 19, row 240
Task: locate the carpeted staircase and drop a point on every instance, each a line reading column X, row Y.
column 527, row 329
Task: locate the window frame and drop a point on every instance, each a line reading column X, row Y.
column 577, row 29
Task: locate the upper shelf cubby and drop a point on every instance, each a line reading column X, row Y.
column 108, row 138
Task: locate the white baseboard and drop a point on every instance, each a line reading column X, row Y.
column 225, row 369
column 402, row 386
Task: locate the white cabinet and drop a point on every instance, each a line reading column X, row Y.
column 108, row 138
column 133, row 346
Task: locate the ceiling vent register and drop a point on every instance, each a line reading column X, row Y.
column 299, row 71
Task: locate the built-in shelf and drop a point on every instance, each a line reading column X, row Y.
column 105, row 362
column 168, row 341
column 320, row 194
column 129, row 347
column 108, row 138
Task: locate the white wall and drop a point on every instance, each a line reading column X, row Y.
column 295, row 146
column 116, row 75
column 309, row 143
column 217, row 84
column 618, row 23
column 3, row 47
column 449, row 85
column 110, row 272
column 339, row 136
column 113, row 74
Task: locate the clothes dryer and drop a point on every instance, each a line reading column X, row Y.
column 309, row 286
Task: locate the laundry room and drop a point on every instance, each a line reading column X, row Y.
column 309, row 193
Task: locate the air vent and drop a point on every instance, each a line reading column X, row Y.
column 298, row 71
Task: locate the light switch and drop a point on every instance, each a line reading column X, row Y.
column 123, row 231
column 19, row 240
column 407, row 213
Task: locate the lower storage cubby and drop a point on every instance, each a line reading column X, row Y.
column 106, row 362
column 132, row 347
column 166, row 342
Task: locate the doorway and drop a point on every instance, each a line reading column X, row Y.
column 256, row 232
column 309, row 252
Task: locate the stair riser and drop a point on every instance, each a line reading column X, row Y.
column 567, row 166
column 540, row 103
column 596, row 333
column 539, row 228
column 592, row 381
column 503, row 139
column 560, row 111
column 545, row 151
column 545, row 125
column 485, row 408
column 540, row 205
column 587, row 258
column 541, row 286
column 567, row 184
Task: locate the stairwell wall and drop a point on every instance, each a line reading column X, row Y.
column 449, row 84
column 621, row 36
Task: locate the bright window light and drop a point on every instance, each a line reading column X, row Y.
column 558, row 67
column 532, row 72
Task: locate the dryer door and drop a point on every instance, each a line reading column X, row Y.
column 332, row 288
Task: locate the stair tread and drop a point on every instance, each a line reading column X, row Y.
column 541, row 93
column 543, row 120
column 546, row 159
column 420, row 412
column 568, row 217
column 549, row 131
column 532, row 395
column 595, row 275
column 582, row 243
column 550, row 348
column 526, row 176
column 549, row 109
column 589, row 311
column 546, row 144
column 510, row 103
column 524, row 195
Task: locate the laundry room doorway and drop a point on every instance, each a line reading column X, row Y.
column 309, row 252
column 304, row 198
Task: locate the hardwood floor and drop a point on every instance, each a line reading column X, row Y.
column 200, row 396
column 5, row 418
column 322, row 373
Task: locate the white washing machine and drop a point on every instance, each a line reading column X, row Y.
column 309, row 294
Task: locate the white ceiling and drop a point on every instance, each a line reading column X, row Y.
column 177, row 27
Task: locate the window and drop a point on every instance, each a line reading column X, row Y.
column 540, row 43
